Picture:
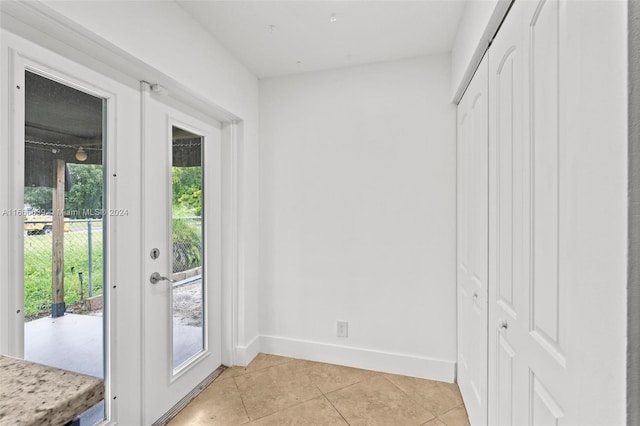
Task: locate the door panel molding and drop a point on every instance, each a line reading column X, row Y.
column 544, row 409
column 504, row 369
column 545, row 194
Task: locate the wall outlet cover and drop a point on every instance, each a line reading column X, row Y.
column 343, row 329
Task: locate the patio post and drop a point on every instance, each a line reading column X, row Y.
column 57, row 275
column 90, row 266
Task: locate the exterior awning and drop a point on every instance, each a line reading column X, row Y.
column 61, row 120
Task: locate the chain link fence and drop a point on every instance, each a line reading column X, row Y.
column 187, row 243
column 83, row 261
column 187, row 274
column 83, row 270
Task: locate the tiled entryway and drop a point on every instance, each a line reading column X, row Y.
column 275, row 390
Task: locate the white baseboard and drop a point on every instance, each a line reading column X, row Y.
column 245, row 354
column 369, row 359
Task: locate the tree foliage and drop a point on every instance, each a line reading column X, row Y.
column 84, row 196
column 38, row 197
column 187, row 233
column 187, row 189
column 86, row 190
column 87, row 184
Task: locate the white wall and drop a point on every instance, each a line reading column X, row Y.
column 594, row 142
column 633, row 286
column 480, row 19
column 357, row 193
column 165, row 37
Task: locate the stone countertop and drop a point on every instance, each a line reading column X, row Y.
column 34, row 394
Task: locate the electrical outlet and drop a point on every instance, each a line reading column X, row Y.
column 343, row 329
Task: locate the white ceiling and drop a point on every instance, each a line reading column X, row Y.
column 303, row 38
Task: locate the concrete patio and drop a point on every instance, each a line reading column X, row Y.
column 74, row 342
column 71, row 342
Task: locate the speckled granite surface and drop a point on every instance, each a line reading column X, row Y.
column 33, row 394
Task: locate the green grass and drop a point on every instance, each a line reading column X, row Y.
column 37, row 268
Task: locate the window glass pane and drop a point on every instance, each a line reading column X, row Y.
column 187, row 231
column 63, row 223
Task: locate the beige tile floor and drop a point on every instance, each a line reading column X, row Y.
column 274, row 390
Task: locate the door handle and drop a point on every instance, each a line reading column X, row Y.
column 504, row 325
column 156, row 277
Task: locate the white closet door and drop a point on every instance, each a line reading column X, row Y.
column 528, row 378
column 473, row 245
column 508, row 221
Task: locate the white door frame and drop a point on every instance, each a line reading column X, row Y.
column 125, row 400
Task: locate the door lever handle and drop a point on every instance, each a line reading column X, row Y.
column 156, row 277
column 504, row 325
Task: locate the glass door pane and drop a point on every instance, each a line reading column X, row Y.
column 63, row 224
column 187, row 242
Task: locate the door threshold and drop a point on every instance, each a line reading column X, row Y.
column 162, row 421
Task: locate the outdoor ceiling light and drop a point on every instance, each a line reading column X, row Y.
column 81, row 155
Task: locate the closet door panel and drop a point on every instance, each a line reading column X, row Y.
column 527, row 365
column 473, row 245
column 544, row 131
column 549, row 386
column 507, row 203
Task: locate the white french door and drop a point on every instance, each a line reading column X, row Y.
column 65, row 96
column 473, row 245
column 182, row 250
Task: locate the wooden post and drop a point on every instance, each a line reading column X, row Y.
column 57, row 270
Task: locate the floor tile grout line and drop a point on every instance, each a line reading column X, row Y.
column 260, row 369
column 442, row 390
column 407, row 394
column 401, row 390
column 343, row 387
column 412, row 398
column 286, row 408
column 337, row 411
column 451, row 409
column 307, row 370
column 242, row 400
column 317, row 387
column 291, row 406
